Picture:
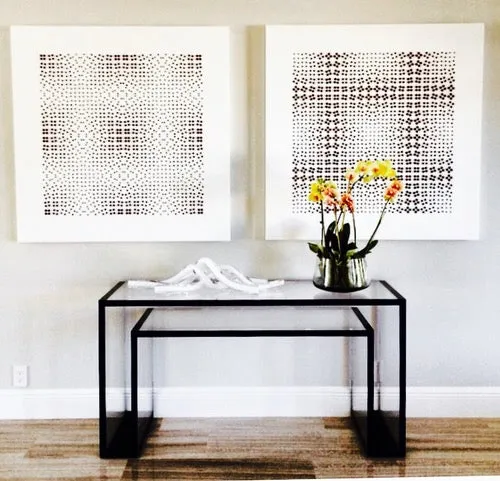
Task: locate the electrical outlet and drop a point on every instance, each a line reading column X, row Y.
column 20, row 376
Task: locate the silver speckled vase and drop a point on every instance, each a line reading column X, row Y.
column 348, row 276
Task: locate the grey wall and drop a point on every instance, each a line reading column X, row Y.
column 49, row 292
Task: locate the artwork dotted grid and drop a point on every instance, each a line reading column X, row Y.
column 352, row 106
column 122, row 134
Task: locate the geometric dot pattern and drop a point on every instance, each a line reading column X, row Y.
column 122, row 134
column 388, row 105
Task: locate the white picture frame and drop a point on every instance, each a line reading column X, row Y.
column 76, row 182
column 452, row 133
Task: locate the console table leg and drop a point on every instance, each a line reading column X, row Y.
column 141, row 420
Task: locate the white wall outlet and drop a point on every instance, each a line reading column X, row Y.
column 20, row 376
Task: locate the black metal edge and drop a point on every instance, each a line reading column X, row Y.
column 402, row 374
column 134, row 408
column 249, row 302
column 392, row 290
column 111, row 291
column 140, row 322
column 379, row 444
column 364, row 433
column 144, row 427
column 121, row 446
column 370, row 375
column 139, row 427
column 251, row 333
column 102, row 379
column 362, row 319
column 360, row 431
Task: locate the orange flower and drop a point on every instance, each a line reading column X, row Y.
column 347, row 202
column 396, row 185
column 390, row 194
column 394, row 188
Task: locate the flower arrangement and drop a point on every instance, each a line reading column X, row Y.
column 336, row 243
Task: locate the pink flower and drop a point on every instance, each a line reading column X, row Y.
column 351, row 176
column 330, row 201
column 331, row 196
column 346, row 201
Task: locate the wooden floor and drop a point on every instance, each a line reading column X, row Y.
column 248, row 448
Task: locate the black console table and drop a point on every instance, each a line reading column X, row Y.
column 373, row 321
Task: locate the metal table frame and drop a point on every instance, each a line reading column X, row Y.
column 381, row 433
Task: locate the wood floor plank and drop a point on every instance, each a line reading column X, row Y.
column 34, row 469
column 54, row 449
column 246, row 448
column 216, row 469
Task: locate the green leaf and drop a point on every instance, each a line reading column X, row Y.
column 344, row 235
column 371, row 245
column 331, row 240
column 316, row 248
column 366, row 250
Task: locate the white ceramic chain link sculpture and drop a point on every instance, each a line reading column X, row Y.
column 206, row 273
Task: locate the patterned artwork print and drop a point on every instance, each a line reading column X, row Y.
column 122, row 134
column 353, row 106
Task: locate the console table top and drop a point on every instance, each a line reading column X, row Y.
column 292, row 292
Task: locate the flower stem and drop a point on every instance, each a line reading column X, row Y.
column 354, row 229
column 378, row 223
column 322, row 226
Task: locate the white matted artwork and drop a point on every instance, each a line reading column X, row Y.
column 121, row 133
column 409, row 93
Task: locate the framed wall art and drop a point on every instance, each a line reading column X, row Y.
column 409, row 93
column 121, row 133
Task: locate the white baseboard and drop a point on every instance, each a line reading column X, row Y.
column 248, row 402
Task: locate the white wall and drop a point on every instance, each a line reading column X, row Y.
column 49, row 292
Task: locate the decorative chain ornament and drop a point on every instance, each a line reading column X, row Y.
column 206, row 273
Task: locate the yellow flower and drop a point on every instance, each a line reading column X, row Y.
column 391, row 174
column 316, row 192
column 384, row 166
column 386, row 170
column 329, row 185
column 361, row 167
column 316, row 186
column 375, row 169
column 315, row 197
